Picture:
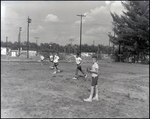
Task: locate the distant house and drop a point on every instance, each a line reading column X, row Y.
column 31, row 53
column 15, row 53
column 87, row 54
column 4, row 50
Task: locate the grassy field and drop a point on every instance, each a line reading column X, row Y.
column 32, row 90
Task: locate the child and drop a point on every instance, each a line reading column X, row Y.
column 94, row 73
column 51, row 60
column 56, row 58
column 42, row 59
column 79, row 62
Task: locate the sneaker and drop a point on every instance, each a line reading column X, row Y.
column 88, row 100
column 85, row 76
column 95, row 98
column 51, row 67
column 58, row 71
column 74, row 78
column 55, row 72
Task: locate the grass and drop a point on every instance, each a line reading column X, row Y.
column 31, row 90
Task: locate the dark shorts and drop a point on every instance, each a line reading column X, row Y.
column 79, row 67
column 51, row 61
column 55, row 64
column 94, row 81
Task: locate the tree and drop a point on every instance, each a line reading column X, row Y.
column 132, row 28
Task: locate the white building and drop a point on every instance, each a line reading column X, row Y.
column 3, row 51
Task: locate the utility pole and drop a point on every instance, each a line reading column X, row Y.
column 81, row 31
column 109, row 48
column 36, row 43
column 109, row 43
column 119, row 53
column 29, row 21
column 93, row 42
column 19, row 38
column 71, row 43
column 98, row 52
column 6, row 45
column 109, row 38
column 71, row 40
column 113, row 44
column 93, row 45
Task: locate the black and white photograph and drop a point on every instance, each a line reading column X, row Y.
column 75, row 59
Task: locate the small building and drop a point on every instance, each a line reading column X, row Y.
column 31, row 53
column 14, row 53
column 87, row 54
column 4, row 50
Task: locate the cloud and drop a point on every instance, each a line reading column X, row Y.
column 95, row 15
column 97, row 31
column 52, row 18
column 10, row 22
column 38, row 30
column 9, row 16
column 99, row 10
column 102, row 14
column 116, row 7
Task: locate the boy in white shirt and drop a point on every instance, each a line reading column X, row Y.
column 42, row 59
column 51, row 58
column 79, row 62
column 94, row 73
column 55, row 61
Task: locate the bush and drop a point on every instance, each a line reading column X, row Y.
column 116, row 57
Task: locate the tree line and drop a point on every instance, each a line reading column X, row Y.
column 54, row 47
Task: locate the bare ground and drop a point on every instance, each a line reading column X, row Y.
column 32, row 90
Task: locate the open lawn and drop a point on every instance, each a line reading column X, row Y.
column 32, row 90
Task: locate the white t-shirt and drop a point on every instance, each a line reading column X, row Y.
column 94, row 67
column 56, row 58
column 42, row 57
column 78, row 60
column 51, row 57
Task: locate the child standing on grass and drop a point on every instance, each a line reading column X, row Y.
column 94, row 73
column 79, row 62
column 56, row 58
column 42, row 59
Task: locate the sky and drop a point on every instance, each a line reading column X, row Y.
column 57, row 21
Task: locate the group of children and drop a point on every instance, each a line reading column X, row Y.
column 94, row 70
column 54, row 60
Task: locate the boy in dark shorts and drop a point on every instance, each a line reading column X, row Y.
column 94, row 73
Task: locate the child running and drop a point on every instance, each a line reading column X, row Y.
column 51, row 60
column 94, row 73
column 79, row 62
column 56, row 58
